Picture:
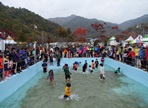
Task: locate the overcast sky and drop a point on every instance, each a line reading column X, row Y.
column 115, row 11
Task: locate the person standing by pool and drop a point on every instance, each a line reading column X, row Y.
column 102, row 72
column 67, row 72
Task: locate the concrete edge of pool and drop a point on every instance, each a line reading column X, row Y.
column 9, row 86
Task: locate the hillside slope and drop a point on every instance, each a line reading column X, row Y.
column 134, row 22
column 23, row 22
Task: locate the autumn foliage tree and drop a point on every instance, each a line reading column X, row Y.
column 101, row 29
column 80, row 34
column 115, row 28
column 5, row 33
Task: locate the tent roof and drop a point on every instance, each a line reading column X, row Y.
column 145, row 39
column 130, row 39
column 146, row 36
column 113, row 42
column 112, row 38
column 9, row 40
column 136, row 41
column 139, row 37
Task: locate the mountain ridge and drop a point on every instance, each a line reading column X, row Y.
column 74, row 22
column 123, row 26
column 133, row 22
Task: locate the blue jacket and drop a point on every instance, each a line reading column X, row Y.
column 141, row 53
column 24, row 54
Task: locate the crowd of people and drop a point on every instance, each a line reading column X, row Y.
column 134, row 55
column 18, row 59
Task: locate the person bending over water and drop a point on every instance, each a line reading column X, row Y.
column 117, row 71
column 90, row 69
column 77, row 62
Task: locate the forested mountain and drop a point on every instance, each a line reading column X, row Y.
column 25, row 25
column 74, row 22
column 123, row 31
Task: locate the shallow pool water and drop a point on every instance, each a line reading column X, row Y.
column 117, row 91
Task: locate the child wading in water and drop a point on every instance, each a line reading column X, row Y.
column 67, row 72
column 84, row 67
column 102, row 72
column 67, row 91
column 44, row 65
column 74, row 66
column 90, row 69
column 117, row 71
column 96, row 63
column 50, row 75
column 93, row 64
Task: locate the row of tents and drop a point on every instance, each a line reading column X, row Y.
column 112, row 40
column 9, row 40
column 131, row 40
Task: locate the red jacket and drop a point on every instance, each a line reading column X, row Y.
column 74, row 66
column 132, row 54
column 1, row 63
column 147, row 55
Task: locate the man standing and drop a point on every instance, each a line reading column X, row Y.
column 58, row 59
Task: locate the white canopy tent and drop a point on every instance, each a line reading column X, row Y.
column 112, row 38
column 129, row 39
column 145, row 40
column 139, row 37
column 112, row 41
column 9, row 40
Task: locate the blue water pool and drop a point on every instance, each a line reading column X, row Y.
column 117, row 91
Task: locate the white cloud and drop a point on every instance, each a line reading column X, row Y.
column 115, row 11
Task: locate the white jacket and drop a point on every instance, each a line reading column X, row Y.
column 102, row 70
